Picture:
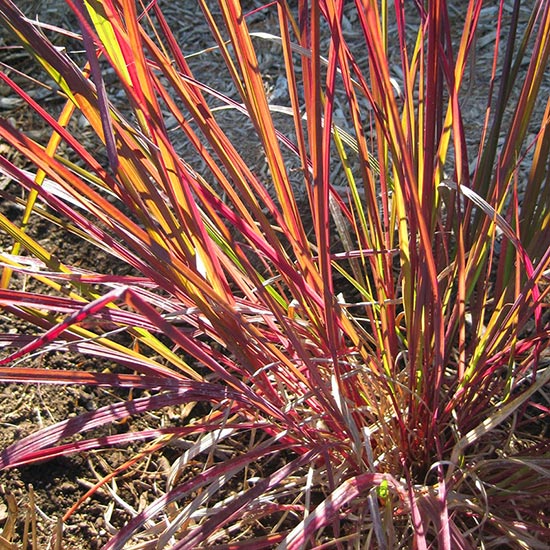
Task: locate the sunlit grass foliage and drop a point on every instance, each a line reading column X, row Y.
column 369, row 308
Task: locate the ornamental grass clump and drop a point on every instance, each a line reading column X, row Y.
column 366, row 314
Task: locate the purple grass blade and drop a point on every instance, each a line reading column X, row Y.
column 24, row 449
